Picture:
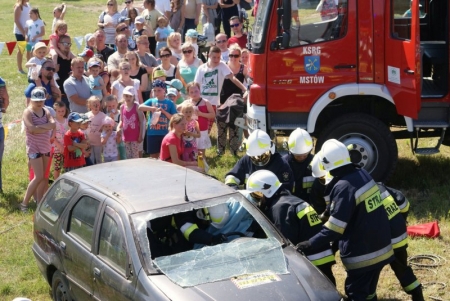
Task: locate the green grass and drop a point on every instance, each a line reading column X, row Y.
column 424, row 180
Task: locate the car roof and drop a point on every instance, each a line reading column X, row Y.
column 148, row 184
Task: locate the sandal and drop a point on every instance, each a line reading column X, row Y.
column 23, row 208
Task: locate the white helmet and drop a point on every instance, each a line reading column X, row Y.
column 263, row 181
column 218, row 215
column 334, row 154
column 317, row 168
column 260, row 147
column 300, row 142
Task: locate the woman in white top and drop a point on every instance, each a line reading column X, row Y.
column 21, row 15
column 125, row 80
column 108, row 20
column 187, row 66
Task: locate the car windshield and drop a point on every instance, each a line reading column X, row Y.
column 253, row 246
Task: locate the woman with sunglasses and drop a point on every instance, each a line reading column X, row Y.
column 108, row 20
column 169, row 69
column 229, row 88
column 187, row 66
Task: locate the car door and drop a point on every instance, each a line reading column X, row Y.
column 76, row 242
column 403, row 67
column 110, row 267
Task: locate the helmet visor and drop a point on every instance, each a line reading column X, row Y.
column 261, row 160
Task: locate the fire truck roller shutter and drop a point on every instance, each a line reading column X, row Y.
column 370, row 142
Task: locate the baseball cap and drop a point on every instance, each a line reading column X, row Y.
column 38, row 94
column 159, row 84
column 85, row 118
column 159, row 73
column 74, row 117
column 172, row 91
column 88, row 36
column 87, row 53
column 123, row 19
column 175, row 83
column 139, row 19
column 93, row 63
column 129, row 90
column 192, row 33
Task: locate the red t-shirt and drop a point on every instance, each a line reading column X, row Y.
column 74, row 158
column 171, row 139
column 242, row 41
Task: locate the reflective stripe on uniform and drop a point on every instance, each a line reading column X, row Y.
column 336, row 225
column 399, row 241
column 305, row 209
column 232, row 180
column 412, row 286
column 187, row 229
column 366, row 260
column 327, row 199
column 321, row 258
column 308, row 182
column 371, row 296
column 369, row 194
column 404, row 207
column 391, row 207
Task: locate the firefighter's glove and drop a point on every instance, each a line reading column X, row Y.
column 218, row 239
column 301, row 246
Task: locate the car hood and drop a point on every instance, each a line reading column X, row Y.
column 302, row 282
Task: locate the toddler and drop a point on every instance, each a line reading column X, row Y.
column 192, row 132
column 84, row 128
column 110, row 105
column 131, row 123
column 60, row 29
column 58, row 14
column 74, row 144
column 34, row 30
column 161, row 33
column 96, row 118
column 109, row 139
column 58, row 137
column 96, row 83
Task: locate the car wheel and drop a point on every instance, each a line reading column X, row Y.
column 371, row 144
column 60, row 289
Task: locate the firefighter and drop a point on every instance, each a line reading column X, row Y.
column 317, row 198
column 399, row 239
column 357, row 220
column 260, row 155
column 299, row 157
column 295, row 218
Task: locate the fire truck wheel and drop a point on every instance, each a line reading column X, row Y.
column 370, row 142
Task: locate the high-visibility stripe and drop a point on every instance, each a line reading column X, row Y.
column 301, row 210
column 327, row 199
column 412, row 286
column 371, row 296
column 399, row 241
column 336, row 225
column 311, row 214
column 391, row 207
column 321, row 258
column 187, row 229
column 366, row 191
column 307, row 182
column 404, row 207
column 366, row 260
column 232, row 180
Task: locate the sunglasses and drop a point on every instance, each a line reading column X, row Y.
column 125, row 69
column 221, row 41
column 127, row 2
column 123, row 29
column 187, row 51
column 234, row 55
column 234, row 25
column 165, row 56
column 110, row 4
column 66, row 43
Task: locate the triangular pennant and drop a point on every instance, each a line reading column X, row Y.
column 10, row 46
column 78, row 41
column 46, row 42
column 22, row 45
column 2, row 44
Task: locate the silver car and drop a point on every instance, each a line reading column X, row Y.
column 94, row 239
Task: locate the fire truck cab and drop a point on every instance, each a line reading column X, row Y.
column 364, row 72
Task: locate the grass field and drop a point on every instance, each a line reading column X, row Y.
column 424, row 180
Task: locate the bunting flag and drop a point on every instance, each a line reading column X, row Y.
column 10, row 46
column 78, row 41
column 2, row 44
column 22, row 45
column 46, row 42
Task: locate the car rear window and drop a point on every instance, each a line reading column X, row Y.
column 57, row 198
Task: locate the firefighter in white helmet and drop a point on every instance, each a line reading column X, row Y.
column 260, row 155
column 357, row 220
column 295, row 218
column 299, row 157
column 321, row 179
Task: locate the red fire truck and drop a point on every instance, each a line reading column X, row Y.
column 364, row 72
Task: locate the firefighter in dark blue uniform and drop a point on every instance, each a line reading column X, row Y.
column 260, row 155
column 299, row 157
column 295, row 218
column 357, row 220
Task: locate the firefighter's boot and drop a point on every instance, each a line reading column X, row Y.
column 417, row 294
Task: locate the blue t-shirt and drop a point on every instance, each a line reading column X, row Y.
column 162, row 127
column 49, row 102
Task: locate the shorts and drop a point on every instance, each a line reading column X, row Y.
column 154, row 144
column 204, row 141
column 58, row 160
column 19, row 37
column 37, row 155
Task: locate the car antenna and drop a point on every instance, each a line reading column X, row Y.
column 186, row 198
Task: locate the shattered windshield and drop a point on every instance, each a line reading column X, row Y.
column 252, row 244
